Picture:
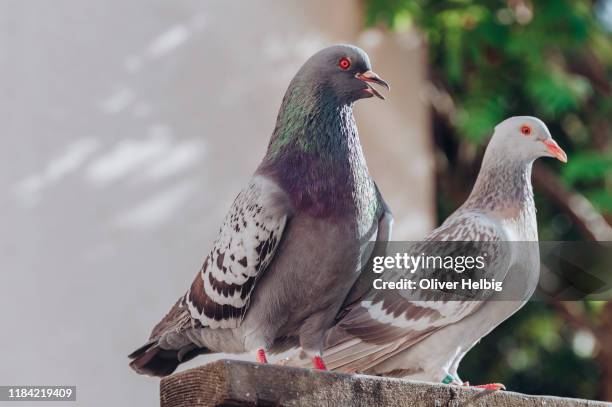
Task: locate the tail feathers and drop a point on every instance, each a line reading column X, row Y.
column 150, row 359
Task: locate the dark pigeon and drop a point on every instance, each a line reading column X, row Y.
column 295, row 239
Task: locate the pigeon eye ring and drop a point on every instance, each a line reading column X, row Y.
column 525, row 130
column 344, row 63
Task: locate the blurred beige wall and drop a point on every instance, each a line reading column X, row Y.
column 127, row 130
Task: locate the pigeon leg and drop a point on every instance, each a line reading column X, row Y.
column 454, row 380
column 317, row 363
column 488, row 386
column 261, row 356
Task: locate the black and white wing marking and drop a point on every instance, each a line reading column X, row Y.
column 383, row 323
column 247, row 241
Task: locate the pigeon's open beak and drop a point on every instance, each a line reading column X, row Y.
column 555, row 150
column 370, row 77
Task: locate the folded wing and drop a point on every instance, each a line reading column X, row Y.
column 377, row 324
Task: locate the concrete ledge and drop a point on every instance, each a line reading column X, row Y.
column 237, row 383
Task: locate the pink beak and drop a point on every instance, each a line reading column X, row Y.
column 371, row 77
column 555, row 150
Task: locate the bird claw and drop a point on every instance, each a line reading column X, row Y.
column 261, row 356
column 317, row 363
column 489, row 386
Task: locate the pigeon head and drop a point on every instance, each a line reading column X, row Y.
column 525, row 138
column 504, row 181
column 343, row 72
column 316, row 114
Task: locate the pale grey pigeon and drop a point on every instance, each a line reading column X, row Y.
column 394, row 333
column 296, row 237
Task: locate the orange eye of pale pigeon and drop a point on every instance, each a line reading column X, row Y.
column 526, row 130
column 344, row 63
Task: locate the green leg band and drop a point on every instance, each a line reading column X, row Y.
column 448, row 379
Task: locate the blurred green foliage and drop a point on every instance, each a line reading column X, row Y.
column 546, row 58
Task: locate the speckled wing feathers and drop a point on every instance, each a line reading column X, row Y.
column 219, row 295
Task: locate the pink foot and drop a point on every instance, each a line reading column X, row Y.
column 490, row 386
column 261, row 356
column 317, row 363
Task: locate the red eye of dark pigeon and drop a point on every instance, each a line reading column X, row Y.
column 526, row 130
column 344, row 63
